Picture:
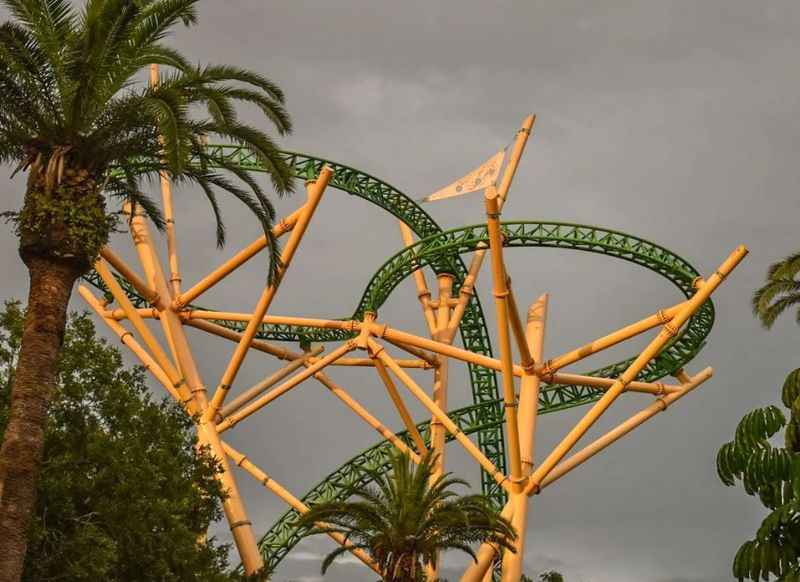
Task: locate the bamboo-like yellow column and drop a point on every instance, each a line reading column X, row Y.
column 423, row 293
column 402, row 410
column 668, row 331
column 441, row 373
column 377, row 351
column 506, row 357
column 242, row 461
column 480, row 569
column 467, row 288
column 127, row 338
column 260, row 345
column 660, row 405
column 440, row 387
column 130, row 275
column 259, row 388
column 315, row 190
column 139, row 325
column 169, row 214
column 245, row 411
column 240, row 258
column 364, row 414
column 233, row 505
column 660, row 317
column 528, row 412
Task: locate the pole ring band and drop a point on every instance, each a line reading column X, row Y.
column 661, row 389
column 663, row 402
column 501, row 294
column 200, row 388
column 697, row 282
column 225, row 387
column 547, row 369
column 169, row 221
column 510, row 404
column 493, row 214
column 122, row 337
column 720, row 274
column 180, row 383
column 236, row 524
column 670, row 329
column 661, row 316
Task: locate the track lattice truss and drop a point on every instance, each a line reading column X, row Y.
column 502, row 421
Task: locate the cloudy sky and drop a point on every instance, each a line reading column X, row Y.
column 675, row 121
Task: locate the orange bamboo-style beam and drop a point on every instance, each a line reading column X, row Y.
column 315, row 190
column 269, row 381
column 430, row 359
column 259, row 345
column 368, row 363
column 486, row 554
column 145, row 358
column 468, row 286
column 240, row 258
column 660, row 317
column 515, row 322
column 518, row 148
column 440, row 375
column 377, row 351
column 528, row 411
column 207, row 435
column 364, row 414
column 668, row 331
column 272, row 319
column 282, row 493
column 169, row 214
column 130, row 275
column 138, row 323
column 423, row 293
column 655, row 388
column 661, row 403
column 400, row 405
column 235, row 418
column 500, row 291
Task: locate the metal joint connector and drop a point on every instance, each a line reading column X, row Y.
column 670, row 329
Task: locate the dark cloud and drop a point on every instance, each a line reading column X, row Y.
column 677, row 121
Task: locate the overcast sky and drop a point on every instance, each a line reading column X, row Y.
column 674, row 121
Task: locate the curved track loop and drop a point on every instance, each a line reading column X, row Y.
column 441, row 252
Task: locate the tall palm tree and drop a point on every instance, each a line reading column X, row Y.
column 74, row 120
column 780, row 292
column 408, row 519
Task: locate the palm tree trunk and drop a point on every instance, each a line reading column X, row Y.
column 51, row 284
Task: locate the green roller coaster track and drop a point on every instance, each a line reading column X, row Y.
column 441, row 250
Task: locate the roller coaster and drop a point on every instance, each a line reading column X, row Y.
column 501, row 419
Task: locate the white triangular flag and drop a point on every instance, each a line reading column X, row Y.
column 481, row 177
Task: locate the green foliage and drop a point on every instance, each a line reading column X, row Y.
column 780, row 292
column 773, row 474
column 407, row 519
column 123, row 496
column 73, row 117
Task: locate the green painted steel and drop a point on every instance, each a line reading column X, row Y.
column 441, row 251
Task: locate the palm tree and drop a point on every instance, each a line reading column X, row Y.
column 404, row 523
column 780, row 292
column 72, row 119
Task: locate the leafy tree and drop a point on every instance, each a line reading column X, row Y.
column 406, row 521
column 123, row 494
column 551, row 576
column 768, row 471
column 780, row 292
column 73, row 119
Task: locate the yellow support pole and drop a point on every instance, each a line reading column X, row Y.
column 315, row 190
column 269, row 381
column 660, row 317
column 131, row 276
column 169, row 214
column 440, row 374
column 480, row 569
column 402, row 410
column 655, row 388
column 127, row 339
column 364, row 414
column 377, row 351
column 240, row 258
column 660, row 405
column 423, row 293
column 269, row 483
column 668, row 331
column 238, row 416
column 233, row 505
column 528, row 411
column 506, row 357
